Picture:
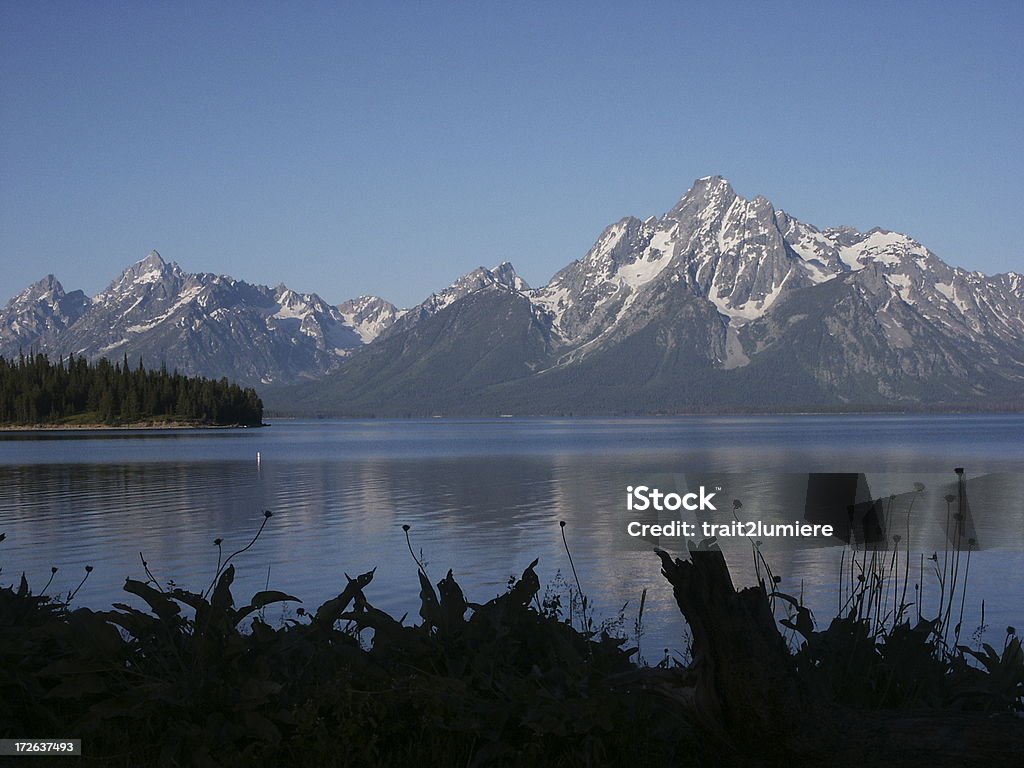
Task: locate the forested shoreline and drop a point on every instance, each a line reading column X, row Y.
column 74, row 391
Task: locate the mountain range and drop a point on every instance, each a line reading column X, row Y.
column 723, row 303
column 200, row 324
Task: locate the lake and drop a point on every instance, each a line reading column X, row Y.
column 484, row 497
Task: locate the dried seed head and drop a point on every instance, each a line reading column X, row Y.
column 950, row 498
column 406, row 527
column 88, row 569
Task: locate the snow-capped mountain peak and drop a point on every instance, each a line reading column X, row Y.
column 150, row 269
column 199, row 323
column 48, row 288
column 369, row 316
column 505, row 274
column 744, row 256
column 716, row 244
column 142, row 278
column 501, row 277
column 720, row 289
column 39, row 313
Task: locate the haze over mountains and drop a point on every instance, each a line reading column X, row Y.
column 723, row 303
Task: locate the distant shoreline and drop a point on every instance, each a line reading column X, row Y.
column 417, row 416
column 134, row 426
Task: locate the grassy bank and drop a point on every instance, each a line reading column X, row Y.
column 528, row 678
column 199, row 680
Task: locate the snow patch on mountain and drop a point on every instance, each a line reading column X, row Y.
column 882, row 246
column 716, row 257
column 369, row 316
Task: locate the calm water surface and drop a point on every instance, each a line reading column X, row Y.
column 484, row 497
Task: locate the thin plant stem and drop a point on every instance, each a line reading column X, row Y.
column 945, row 557
column 963, row 592
column 842, row 565
column 53, row 572
column 583, row 598
column 149, row 574
column 266, row 517
column 920, row 594
column 408, row 543
column 88, row 570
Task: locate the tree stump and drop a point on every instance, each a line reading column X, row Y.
column 747, row 692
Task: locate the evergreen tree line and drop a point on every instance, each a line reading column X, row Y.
column 34, row 390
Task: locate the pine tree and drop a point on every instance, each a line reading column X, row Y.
column 34, row 390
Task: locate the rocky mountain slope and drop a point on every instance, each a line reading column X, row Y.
column 723, row 303
column 204, row 324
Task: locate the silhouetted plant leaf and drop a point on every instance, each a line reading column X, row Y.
column 527, row 586
column 430, row 608
column 804, row 623
column 452, row 602
column 269, row 596
column 137, row 623
column 162, row 605
column 192, row 599
column 222, row 599
column 330, row 611
column 264, row 598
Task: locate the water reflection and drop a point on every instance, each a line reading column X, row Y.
column 483, row 497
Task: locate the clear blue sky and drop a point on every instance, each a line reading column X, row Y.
column 368, row 147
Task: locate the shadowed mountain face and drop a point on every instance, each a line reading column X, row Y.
column 722, row 303
column 446, row 360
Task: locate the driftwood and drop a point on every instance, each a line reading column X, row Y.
column 747, row 697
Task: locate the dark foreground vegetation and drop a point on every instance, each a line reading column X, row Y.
column 36, row 391
column 525, row 679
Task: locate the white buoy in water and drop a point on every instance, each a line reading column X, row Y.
column 257, row 459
